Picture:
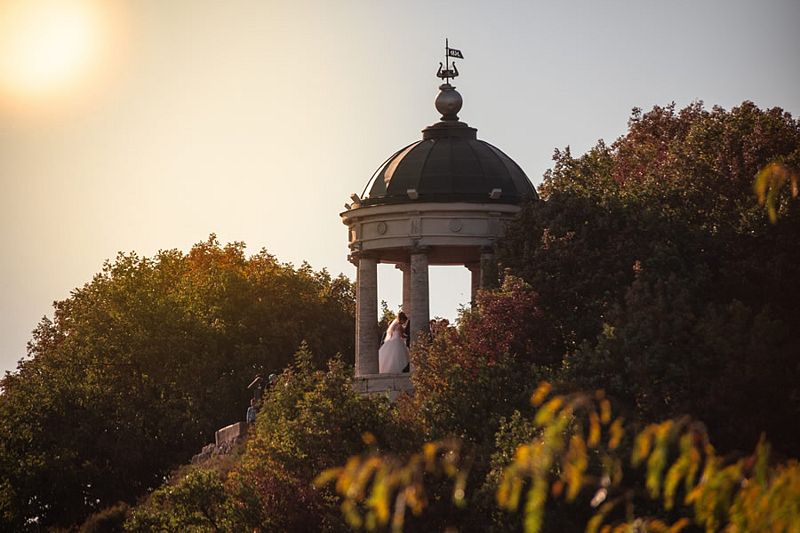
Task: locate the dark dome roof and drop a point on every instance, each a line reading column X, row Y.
column 449, row 164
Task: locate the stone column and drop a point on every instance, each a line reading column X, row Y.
column 405, row 268
column 488, row 268
column 475, row 278
column 420, row 304
column 367, row 335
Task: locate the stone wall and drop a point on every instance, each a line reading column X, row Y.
column 225, row 440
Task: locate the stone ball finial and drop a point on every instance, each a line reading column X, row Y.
column 448, row 102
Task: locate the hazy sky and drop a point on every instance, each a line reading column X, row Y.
column 255, row 120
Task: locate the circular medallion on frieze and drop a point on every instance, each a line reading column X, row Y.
column 456, row 225
column 382, row 227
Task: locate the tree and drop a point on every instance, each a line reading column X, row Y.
column 470, row 376
column 664, row 478
column 140, row 366
column 309, row 420
column 195, row 501
column 651, row 255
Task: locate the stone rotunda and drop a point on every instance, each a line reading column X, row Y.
column 442, row 200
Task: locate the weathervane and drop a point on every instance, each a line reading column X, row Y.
column 448, row 73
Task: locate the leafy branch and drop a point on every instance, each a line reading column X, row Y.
column 768, row 184
column 578, row 451
column 735, row 496
column 376, row 488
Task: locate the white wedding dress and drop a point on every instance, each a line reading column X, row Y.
column 393, row 355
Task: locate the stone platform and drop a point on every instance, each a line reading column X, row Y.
column 392, row 385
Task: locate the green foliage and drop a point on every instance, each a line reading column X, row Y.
column 139, row 366
column 730, row 347
column 387, row 315
column 195, row 501
column 579, row 430
column 512, row 432
column 673, row 172
column 109, row 520
column 577, row 454
column 313, row 418
column 309, row 421
column 661, row 280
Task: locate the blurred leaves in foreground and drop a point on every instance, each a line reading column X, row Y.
column 378, row 487
column 768, row 184
column 585, row 454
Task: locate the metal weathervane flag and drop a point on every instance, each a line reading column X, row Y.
column 445, row 72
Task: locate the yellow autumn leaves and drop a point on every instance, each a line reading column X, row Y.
column 769, row 182
column 378, row 488
column 577, row 448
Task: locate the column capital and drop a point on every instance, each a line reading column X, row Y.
column 403, row 267
column 354, row 257
column 418, row 250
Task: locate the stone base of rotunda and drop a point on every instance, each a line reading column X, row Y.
column 392, row 385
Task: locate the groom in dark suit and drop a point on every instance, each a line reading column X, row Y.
column 407, row 335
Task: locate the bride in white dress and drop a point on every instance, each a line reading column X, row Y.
column 393, row 355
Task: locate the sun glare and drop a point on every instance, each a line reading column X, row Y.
column 49, row 48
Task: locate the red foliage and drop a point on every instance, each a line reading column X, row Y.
column 506, row 321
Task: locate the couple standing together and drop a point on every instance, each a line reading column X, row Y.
column 393, row 354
